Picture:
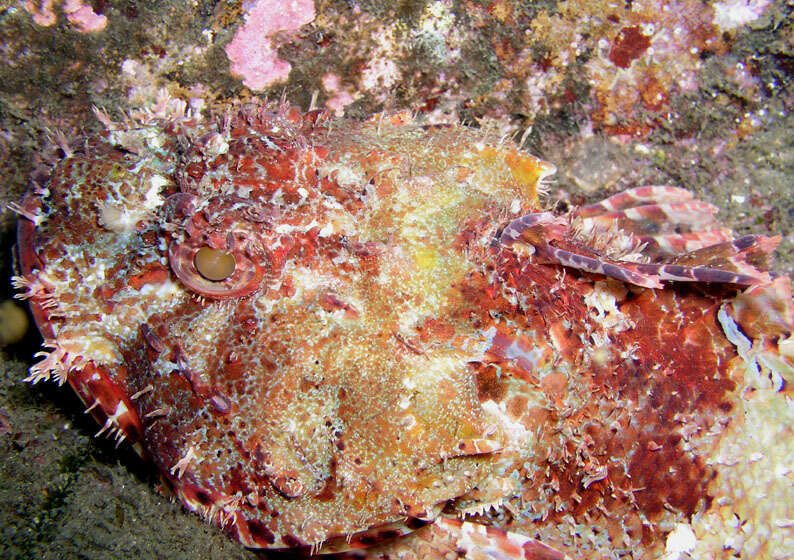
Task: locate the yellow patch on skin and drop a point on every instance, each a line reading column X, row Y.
column 513, row 170
column 526, row 170
column 426, row 258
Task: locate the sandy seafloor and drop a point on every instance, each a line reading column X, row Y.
column 66, row 494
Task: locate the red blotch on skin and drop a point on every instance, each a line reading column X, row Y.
column 629, row 45
column 279, row 167
column 554, row 384
column 331, row 302
column 488, row 383
column 103, row 293
column 666, row 349
column 196, row 169
column 644, row 390
column 668, row 475
column 151, row 276
column 435, row 329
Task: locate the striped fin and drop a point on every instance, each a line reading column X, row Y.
column 627, row 272
column 672, row 217
column 644, row 236
column 678, row 243
column 735, row 255
column 681, row 273
column 635, row 197
column 652, row 211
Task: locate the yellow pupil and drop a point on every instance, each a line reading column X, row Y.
column 213, row 264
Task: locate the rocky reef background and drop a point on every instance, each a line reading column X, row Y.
column 615, row 94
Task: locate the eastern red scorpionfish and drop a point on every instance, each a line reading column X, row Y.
column 336, row 335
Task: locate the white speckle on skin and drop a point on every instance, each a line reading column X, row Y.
column 287, row 228
column 244, row 191
column 345, row 176
column 119, row 220
column 155, row 142
column 153, row 200
column 603, row 302
column 681, row 539
column 332, row 204
column 516, row 435
column 515, row 352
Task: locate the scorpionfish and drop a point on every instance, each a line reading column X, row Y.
column 370, row 337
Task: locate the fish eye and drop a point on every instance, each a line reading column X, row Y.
column 213, row 264
column 214, row 273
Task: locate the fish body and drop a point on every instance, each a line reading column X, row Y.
column 330, row 334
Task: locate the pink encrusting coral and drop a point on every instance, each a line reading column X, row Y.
column 83, row 16
column 41, row 11
column 253, row 51
column 339, row 97
column 79, row 14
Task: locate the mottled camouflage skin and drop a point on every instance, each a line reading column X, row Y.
column 404, row 335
